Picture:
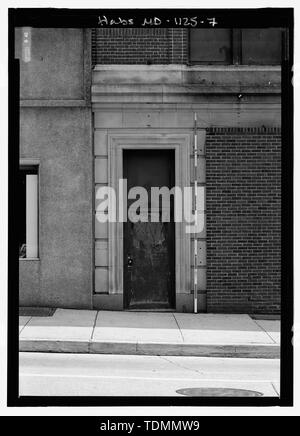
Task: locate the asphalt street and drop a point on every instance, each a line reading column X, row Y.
column 50, row 374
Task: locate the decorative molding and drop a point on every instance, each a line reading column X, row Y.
column 164, row 116
column 182, row 67
column 150, row 93
column 180, row 83
column 181, row 143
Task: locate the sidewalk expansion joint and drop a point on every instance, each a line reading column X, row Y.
column 274, row 342
column 91, row 338
column 25, row 325
column 178, row 327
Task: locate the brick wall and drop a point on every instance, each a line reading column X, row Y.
column 139, row 46
column 243, row 220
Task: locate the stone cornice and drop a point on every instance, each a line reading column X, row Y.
column 180, row 83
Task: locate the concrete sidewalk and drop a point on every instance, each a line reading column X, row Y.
column 150, row 333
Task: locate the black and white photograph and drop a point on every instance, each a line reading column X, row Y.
column 150, row 208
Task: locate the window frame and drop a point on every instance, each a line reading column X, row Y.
column 236, row 50
column 204, row 62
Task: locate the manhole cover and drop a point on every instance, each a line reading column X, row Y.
column 218, row 392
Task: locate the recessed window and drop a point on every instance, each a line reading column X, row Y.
column 236, row 46
column 28, row 212
column 261, row 46
column 211, row 46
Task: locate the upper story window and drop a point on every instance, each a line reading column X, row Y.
column 261, row 46
column 209, row 46
column 236, row 46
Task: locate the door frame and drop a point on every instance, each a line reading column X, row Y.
column 181, row 143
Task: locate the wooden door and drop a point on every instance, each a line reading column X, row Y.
column 149, row 247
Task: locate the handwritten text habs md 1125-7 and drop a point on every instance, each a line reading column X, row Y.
column 105, row 21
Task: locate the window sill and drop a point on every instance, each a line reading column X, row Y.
column 181, row 67
column 233, row 67
column 29, row 258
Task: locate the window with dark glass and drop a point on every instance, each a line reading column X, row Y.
column 261, row 46
column 211, row 46
column 236, row 46
column 28, row 212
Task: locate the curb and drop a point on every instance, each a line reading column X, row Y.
column 265, row 351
